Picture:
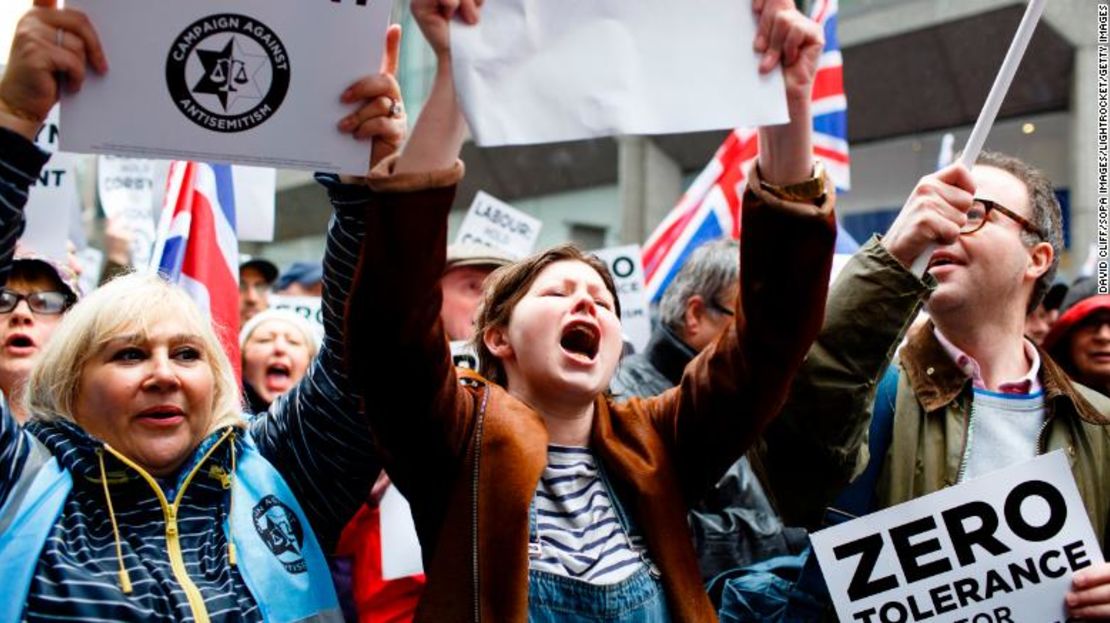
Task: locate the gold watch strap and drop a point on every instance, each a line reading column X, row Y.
column 806, row 190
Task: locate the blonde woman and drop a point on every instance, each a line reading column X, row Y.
column 137, row 491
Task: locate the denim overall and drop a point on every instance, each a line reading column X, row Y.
column 558, row 599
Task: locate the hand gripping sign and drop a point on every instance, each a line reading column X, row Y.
column 242, row 81
column 997, row 549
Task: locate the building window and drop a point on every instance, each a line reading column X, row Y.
column 587, row 236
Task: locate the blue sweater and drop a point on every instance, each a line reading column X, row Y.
column 316, row 436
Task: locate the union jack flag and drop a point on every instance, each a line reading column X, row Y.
column 710, row 208
column 197, row 248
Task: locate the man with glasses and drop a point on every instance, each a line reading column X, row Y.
column 38, row 292
column 735, row 525
column 994, row 238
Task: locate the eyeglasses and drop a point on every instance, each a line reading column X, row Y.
column 981, row 209
column 715, row 306
column 51, row 303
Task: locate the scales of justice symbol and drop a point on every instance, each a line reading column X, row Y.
column 225, row 73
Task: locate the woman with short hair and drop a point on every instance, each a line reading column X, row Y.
column 535, row 496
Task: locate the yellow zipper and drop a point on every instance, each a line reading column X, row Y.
column 173, row 542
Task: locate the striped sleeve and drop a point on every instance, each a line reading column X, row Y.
column 20, row 163
column 316, row 434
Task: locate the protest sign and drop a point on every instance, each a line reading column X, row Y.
column 537, row 72
column 998, row 548
column 254, row 202
column 628, row 276
column 128, row 197
column 494, row 223
column 307, row 307
column 243, row 81
column 53, row 198
column 464, row 355
column 400, row 545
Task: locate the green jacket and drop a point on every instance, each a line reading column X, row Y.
column 819, row 442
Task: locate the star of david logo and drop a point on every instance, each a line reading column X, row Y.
column 229, row 74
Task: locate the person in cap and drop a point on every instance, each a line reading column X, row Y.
column 255, row 278
column 1080, row 339
column 463, row 281
column 38, row 292
column 277, row 347
column 301, row 279
column 1039, row 321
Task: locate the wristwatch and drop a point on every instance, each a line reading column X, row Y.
column 812, row 190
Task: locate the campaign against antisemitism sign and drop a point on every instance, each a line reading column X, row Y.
column 494, row 223
column 997, row 549
column 535, row 72
column 243, row 81
column 53, row 198
column 628, row 275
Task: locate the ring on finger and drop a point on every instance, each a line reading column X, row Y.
column 394, row 108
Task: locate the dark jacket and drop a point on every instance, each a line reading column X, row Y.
column 468, row 456
column 735, row 525
column 820, row 439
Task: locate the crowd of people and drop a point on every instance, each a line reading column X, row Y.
column 558, row 480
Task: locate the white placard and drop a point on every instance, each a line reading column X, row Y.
column 628, row 275
column 464, row 355
column 53, row 198
column 308, row 307
column 245, row 81
column 494, row 223
column 255, row 188
column 127, row 195
column 534, row 71
column 1002, row 547
column 400, row 545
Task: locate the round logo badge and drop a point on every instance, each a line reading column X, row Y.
column 281, row 531
column 227, row 72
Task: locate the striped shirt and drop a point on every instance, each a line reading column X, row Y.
column 580, row 534
column 315, row 436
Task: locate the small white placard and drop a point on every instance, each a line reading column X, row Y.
column 400, row 545
column 534, row 71
column 308, row 307
column 243, row 81
column 254, row 202
column 628, row 275
column 1002, row 547
column 494, row 223
column 126, row 187
column 53, row 198
column 464, row 355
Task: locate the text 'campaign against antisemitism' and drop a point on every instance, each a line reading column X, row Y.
column 997, row 549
